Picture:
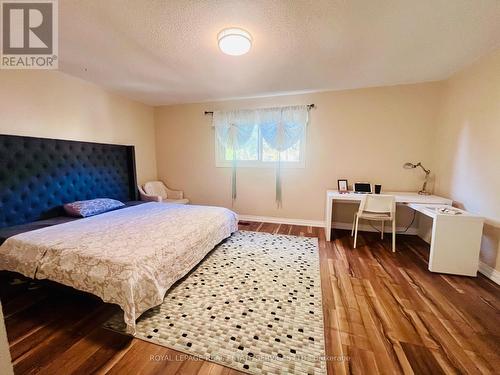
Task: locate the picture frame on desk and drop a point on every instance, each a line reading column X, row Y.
column 343, row 186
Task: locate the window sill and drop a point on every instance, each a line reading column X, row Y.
column 261, row 165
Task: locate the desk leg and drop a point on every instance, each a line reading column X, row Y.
column 455, row 245
column 328, row 218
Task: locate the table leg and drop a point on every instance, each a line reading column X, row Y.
column 455, row 245
column 328, row 218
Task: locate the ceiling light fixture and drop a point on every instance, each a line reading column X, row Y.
column 234, row 41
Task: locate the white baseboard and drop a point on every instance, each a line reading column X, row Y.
column 489, row 272
column 318, row 223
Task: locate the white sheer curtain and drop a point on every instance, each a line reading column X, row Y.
column 233, row 130
column 281, row 128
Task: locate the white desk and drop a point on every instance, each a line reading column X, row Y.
column 455, row 239
column 401, row 198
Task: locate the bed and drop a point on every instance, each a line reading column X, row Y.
column 130, row 256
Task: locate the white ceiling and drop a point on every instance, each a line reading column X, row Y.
column 165, row 51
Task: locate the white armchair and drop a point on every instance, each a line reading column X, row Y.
column 156, row 191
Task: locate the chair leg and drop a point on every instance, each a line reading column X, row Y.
column 353, row 223
column 382, row 232
column 394, row 235
column 356, row 231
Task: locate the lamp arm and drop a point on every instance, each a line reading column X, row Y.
column 427, row 171
column 424, row 186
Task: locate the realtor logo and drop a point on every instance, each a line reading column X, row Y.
column 29, row 34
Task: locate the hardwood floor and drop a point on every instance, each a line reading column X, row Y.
column 384, row 313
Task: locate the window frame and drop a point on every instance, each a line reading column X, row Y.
column 221, row 162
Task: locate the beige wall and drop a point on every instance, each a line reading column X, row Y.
column 361, row 135
column 55, row 105
column 467, row 154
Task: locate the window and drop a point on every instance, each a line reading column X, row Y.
column 266, row 137
column 258, row 153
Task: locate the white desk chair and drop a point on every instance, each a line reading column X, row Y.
column 376, row 208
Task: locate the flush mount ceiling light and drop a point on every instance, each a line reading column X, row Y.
column 234, row 41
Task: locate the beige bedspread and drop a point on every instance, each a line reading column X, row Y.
column 129, row 257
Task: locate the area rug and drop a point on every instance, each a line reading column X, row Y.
column 253, row 304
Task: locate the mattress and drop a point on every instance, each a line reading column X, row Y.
column 130, row 256
column 18, row 229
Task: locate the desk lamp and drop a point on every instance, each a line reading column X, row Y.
column 427, row 172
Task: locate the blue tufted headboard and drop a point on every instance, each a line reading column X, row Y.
column 39, row 175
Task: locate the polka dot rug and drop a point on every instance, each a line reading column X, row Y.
column 253, row 304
